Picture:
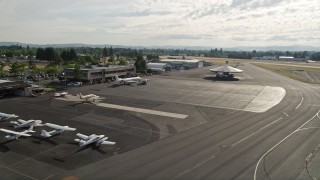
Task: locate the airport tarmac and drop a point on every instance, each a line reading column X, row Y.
column 177, row 126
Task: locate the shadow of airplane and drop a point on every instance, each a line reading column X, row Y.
column 220, row 79
column 42, row 139
column 118, row 85
column 3, row 147
column 93, row 147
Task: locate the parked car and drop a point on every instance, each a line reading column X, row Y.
column 74, row 84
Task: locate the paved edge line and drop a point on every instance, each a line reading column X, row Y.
column 145, row 111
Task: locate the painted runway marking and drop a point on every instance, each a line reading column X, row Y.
column 300, row 101
column 32, row 156
column 299, row 128
column 145, row 111
column 17, row 172
column 243, row 139
column 292, row 65
column 194, row 167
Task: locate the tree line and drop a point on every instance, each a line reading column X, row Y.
column 70, row 54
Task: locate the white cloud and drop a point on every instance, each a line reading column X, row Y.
column 214, row 23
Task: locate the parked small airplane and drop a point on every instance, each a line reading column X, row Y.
column 93, row 138
column 14, row 135
column 89, row 96
column 57, row 130
column 123, row 81
column 4, row 116
column 62, row 94
column 22, row 123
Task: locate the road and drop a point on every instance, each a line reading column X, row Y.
column 278, row 144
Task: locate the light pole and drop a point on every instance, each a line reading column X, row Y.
column 65, row 80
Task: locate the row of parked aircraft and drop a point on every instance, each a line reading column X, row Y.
column 57, row 129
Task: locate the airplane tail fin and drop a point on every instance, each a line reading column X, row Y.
column 44, row 133
column 30, row 130
column 80, row 95
column 81, row 142
column 117, row 77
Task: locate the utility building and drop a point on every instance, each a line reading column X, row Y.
column 183, row 63
column 18, row 88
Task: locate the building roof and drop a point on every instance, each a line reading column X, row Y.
column 156, row 65
column 286, row 57
column 4, row 81
column 226, row 68
column 7, row 84
column 180, row 60
column 102, row 68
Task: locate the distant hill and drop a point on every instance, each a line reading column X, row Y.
column 76, row 45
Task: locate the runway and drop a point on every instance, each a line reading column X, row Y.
column 218, row 139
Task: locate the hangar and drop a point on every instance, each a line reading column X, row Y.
column 183, row 63
column 19, row 88
column 158, row 68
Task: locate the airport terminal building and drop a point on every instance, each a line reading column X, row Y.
column 95, row 74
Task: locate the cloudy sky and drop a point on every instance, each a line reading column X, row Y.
column 217, row 23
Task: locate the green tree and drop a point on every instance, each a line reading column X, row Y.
column 105, row 52
column 140, row 64
column 122, row 61
column 2, row 65
column 51, row 70
column 77, row 72
column 110, row 51
column 111, row 60
column 15, row 68
column 73, row 55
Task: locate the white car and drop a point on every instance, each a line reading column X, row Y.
column 74, row 84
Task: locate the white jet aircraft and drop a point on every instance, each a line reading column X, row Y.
column 96, row 139
column 23, row 123
column 4, row 116
column 89, row 96
column 123, row 81
column 14, row 135
column 57, row 130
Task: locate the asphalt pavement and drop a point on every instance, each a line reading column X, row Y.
column 218, row 139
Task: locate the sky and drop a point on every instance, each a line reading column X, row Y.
column 216, row 23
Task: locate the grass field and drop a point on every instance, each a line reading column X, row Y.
column 39, row 65
column 294, row 71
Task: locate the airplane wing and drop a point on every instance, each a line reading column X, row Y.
column 55, row 126
column 21, row 121
column 14, row 132
column 131, row 81
column 82, row 136
column 108, row 143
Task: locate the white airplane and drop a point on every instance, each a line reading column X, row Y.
column 62, row 94
column 93, row 138
column 89, row 96
column 23, row 123
column 57, row 130
column 123, row 81
column 14, row 135
column 4, row 116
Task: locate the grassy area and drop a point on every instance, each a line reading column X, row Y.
column 39, row 65
column 290, row 71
